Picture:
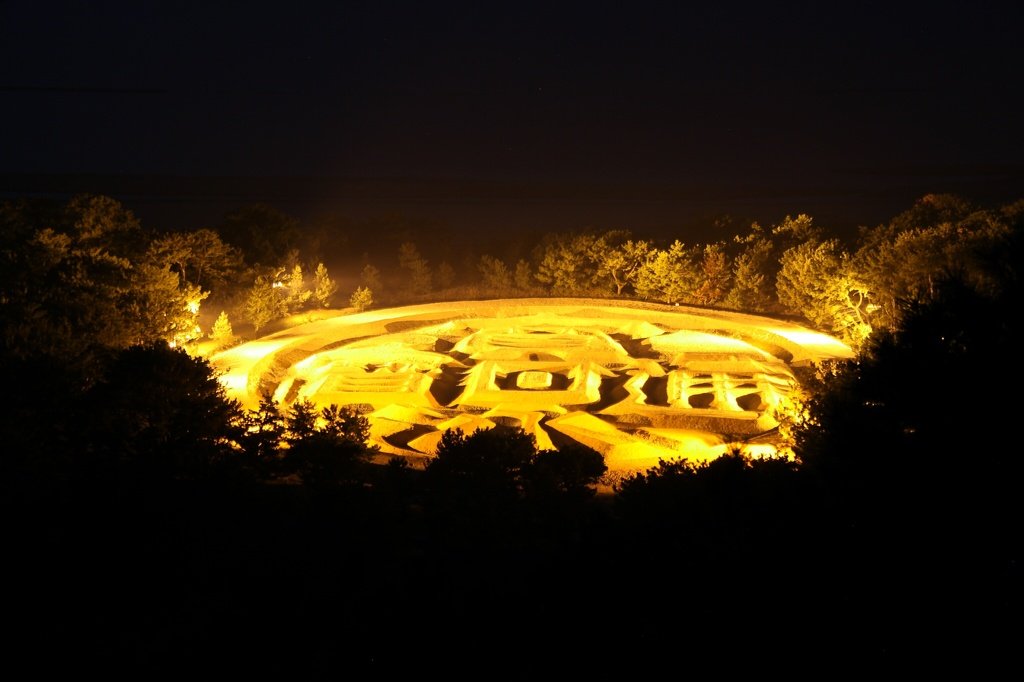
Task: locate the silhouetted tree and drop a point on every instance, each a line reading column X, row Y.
column 571, row 470
column 493, row 458
column 160, row 413
column 478, row 478
column 348, row 424
column 326, row 447
column 262, row 436
column 720, row 515
column 262, row 233
column 300, row 421
column 481, row 478
column 888, row 397
column 909, row 442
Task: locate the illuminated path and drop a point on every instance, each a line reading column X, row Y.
column 637, row 382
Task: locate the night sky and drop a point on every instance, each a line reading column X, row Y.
column 488, row 116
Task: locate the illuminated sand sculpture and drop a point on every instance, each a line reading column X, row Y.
column 637, row 382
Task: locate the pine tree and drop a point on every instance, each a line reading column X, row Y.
column 264, row 303
column 361, row 299
column 524, row 275
column 445, row 275
column 495, row 273
column 670, row 276
column 370, row 277
column 323, row 286
column 754, row 271
column 298, row 294
column 222, row 334
column 715, row 275
column 418, row 270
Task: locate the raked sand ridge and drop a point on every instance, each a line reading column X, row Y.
column 637, row 382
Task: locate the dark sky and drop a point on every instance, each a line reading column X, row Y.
column 655, row 117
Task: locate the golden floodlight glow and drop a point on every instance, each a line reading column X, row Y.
column 636, row 382
column 808, row 338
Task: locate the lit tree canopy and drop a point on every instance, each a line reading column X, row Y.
column 324, row 287
column 200, row 258
column 566, row 265
column 754, row 271
column 361, row 299
column 620, row 259
column 803, row 280
column 264, row 303
column 87, row 284
column 792, row 231
column 297, row 294
column 715, row 276
column 901, row 262
column 669, row 275
column 222, row 334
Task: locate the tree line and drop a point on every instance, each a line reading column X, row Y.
column 795, row 267
column 92, row 262
column 155, row 526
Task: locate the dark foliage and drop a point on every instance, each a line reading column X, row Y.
column 162, row 414
column 151, row 530
column 262, row 233
column 571, row 470
column 487, row 463
column 262, row 433
column 331, row 454
column 488, row 473
column 912, row 443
